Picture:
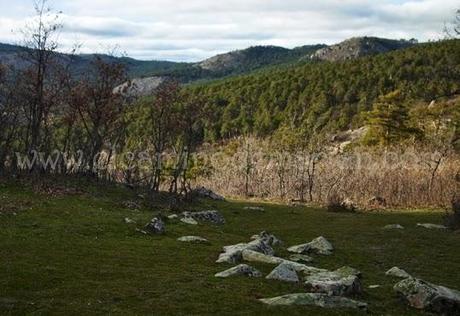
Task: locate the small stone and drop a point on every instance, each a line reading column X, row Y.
column 372, row 287
column 212, row 216
column 242, row 269
column 195, row 239
column 398, row 273
column 255, row 208
column 173, row 216
column 156, row 227
column 314, row 299
column 319, row 245
column 301, row 258
column 143, row 232
column 393, row 226
column 188, row 220
column 284, row 272
column 432, row 226
column 129, row 221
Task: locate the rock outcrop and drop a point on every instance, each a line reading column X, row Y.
column 319, row 245
column 342, row 282
column 284, row 272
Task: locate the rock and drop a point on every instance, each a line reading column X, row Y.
column 373, row 287
column 344, row 281
column 173, row 216
column 270, row 239
column 393, row 226
column 314, row 299
column 255, row 208
column 143, row 232
column 301, row 258
column 206, row 193
column 319, row 245
column 206, row 216
column 284, row 272
column 188, row 220
column 129, row 221
column 195, row 239
column 398, row 273
column 349, row 205
column 429, row 297
column 233, row 253
column 156, row 227
column 139, row 87
column 432, row 226
column 131, row 205
column 242, row 269
column 377, row 201
column 254, row 256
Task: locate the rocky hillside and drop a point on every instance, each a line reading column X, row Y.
column 359, row 47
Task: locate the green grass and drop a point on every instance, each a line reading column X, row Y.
column 73, row 254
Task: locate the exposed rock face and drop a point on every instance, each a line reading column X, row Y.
column 206, row 193
column 213, row 217
column 398, row 273
column 139, row 87
column 432, row 226
column 359, row 47
column 301, row 258
column 156, row 227
column 315, row 299
column 344, row 281
column 319, row 245
column 433, row 298
column 233, row 253
column 393, row 226
column 242, row 269
column 284, row 272
column 194, row 239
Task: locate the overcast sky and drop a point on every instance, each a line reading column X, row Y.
column 191, row 30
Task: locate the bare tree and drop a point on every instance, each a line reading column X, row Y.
column 452, row 30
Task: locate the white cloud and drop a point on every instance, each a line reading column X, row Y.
column 196, row 29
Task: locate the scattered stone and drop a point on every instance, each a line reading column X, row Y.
column 284, row 272
column 188, row 220
column 315, row 299
column 255, row 208
column 372, row 287
column 319, row 245
column 206, row 216
column 131, row 205
column 173, row 216
column 129, row 221
column 206, row 193
column 156, row 227
column 344, row 281
column 143, row 232
column 301, row 258
column 195, row 239
column 233, row 253
column 432, row 226
column 270, row 239
column 398, row 273
column 393, row 226
column 433, row 298
column 242, row 269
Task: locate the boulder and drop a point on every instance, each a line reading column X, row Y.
column 393, row 226
column 342, row 282
column 301, row 258
column 206, row 193
column 155, row 227
column 315, row 299
column 432, row 226
column 242, row 269
column 284, row 272
column 398, row 273
column 188, row 220
column 213, row 217
column 429, row 297
column 319, row 245
column 233, row 253
column 270, row 239
column 194, row 239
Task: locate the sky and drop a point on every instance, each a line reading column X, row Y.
column 192, row 30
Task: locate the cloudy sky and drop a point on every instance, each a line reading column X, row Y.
column 191, row 30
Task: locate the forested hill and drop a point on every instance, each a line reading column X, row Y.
column 329, row 95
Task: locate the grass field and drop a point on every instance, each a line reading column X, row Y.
column 74, row 254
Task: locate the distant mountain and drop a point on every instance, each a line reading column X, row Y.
column 359, row 47
column 224, row 65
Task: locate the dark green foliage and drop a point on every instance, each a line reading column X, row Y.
column 330, row 96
